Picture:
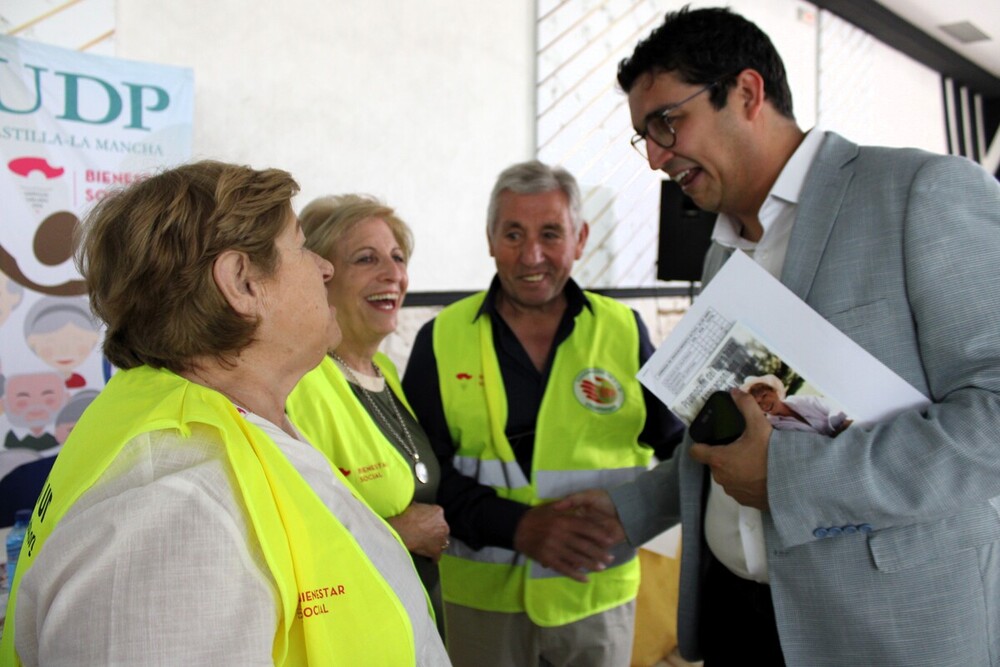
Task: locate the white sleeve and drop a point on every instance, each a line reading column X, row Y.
column 154, row 565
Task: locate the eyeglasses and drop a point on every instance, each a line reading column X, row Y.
column 659, row 128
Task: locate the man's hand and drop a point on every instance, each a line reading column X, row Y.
column 570, row 541
column 595, row 503
column 423, row 529
column 741, row 466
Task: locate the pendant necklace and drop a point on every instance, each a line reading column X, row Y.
column 406, row 440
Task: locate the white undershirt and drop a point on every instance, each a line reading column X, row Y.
column 735, row 533
column 151, row 565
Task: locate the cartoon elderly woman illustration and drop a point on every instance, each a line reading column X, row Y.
column 62, row 333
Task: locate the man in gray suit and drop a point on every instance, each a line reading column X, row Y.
column 880, row 546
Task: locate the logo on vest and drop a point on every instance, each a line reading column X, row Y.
column 598, row 390
column 465, row 379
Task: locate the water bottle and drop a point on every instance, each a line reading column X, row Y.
column 15, row 538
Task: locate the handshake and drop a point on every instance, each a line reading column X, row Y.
column 572, row 536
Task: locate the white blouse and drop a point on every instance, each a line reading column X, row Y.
column 151, row 565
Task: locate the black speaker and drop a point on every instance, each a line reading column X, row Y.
column 685, row 234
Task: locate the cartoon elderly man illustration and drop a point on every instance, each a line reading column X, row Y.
column 32, row 401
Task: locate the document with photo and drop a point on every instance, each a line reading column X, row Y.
column 784, row 394
column 748, row 330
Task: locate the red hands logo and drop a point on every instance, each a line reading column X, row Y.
column 23, row 166
column 600, row 390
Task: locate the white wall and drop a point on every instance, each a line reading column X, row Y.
column 874, row 94
column 419, row 103
column 422, row 103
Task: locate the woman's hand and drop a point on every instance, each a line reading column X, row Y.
column 423, row 529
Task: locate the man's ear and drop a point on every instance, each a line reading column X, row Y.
column 750, row 92
column 581, row 240
column 238, row 281
column 489, row 242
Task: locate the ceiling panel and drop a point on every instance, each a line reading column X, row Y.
column 929, row 15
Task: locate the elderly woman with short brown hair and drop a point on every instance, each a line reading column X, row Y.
column 352, row 405
column 185, row 521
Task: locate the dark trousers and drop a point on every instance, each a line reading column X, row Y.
column 737, row 625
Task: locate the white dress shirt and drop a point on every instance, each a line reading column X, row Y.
column 735, row 533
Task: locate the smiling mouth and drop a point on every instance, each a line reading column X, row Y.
column 385, row 301
column 685, row 177
column 533, row 278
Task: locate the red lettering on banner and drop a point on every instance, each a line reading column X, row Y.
column 112, row 177
column 95, row 195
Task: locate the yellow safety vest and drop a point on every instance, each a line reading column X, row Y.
column 334, row 606
column 329, row 414
column 586, row 436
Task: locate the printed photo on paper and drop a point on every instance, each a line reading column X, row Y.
column 741, row 359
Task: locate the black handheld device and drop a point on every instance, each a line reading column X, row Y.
column 719, row 421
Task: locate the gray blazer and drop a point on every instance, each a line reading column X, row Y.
column 900, row 249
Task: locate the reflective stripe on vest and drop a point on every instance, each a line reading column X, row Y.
column 592, row 401
column 305, row 547
column 500, row 474
column 327, row 411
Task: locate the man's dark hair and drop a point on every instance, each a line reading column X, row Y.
column 708, row 45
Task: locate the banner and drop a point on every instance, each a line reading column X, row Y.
column 73, row 127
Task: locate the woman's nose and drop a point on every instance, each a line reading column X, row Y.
column 393, row 270
column 325, row 268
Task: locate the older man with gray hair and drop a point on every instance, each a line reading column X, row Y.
column 528, row 393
